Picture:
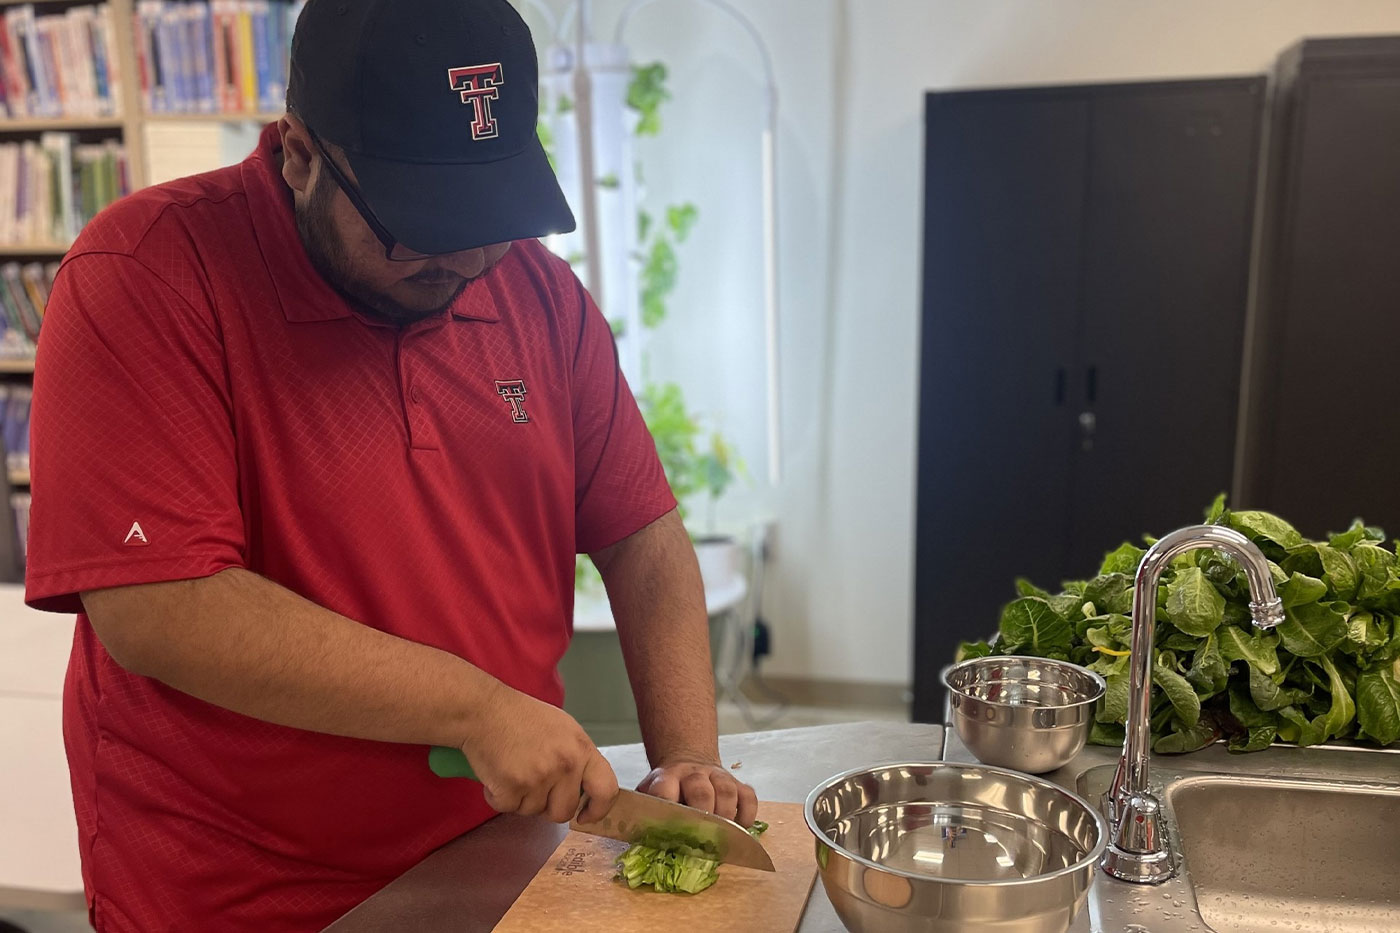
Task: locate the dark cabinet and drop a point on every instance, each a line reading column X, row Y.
column 1323, row 404
column 1086, row 270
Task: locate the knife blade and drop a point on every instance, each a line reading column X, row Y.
column 634, row 815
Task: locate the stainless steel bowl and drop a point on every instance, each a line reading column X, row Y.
column 942, row 847
column 1031, row 714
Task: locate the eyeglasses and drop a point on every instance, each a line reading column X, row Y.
column 393, row 249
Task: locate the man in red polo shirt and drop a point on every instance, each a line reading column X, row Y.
column 316, row 440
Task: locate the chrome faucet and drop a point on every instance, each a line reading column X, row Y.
column 1140, row 851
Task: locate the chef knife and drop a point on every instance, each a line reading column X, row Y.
column 635, row 816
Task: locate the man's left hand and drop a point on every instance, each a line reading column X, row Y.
column 704, row 785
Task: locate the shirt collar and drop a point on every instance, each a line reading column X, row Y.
column 305, row 296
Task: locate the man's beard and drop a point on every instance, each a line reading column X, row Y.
column 326, row 251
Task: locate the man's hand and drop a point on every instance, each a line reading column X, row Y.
column 704, row 785
column 533, row 759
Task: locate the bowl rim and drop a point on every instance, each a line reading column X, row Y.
column 1095, row 676
column 1089, row 860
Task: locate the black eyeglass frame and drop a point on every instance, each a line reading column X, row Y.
column 357, row 200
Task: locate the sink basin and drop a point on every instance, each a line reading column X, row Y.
column 1266, row 856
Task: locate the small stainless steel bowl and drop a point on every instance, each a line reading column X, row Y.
column 944, row 847
column 1031, row 714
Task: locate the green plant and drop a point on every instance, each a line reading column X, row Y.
column 695, row 461
column 1331, row 670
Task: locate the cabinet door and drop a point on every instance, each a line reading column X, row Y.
column 1327, row 421
column 1003, row 202
column 1166, row 278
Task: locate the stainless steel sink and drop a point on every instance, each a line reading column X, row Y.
column 1287, row 840
column 1271, row 855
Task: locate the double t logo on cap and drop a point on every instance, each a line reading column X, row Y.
column 479, row 85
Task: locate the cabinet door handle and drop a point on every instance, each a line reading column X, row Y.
column 1091, row 384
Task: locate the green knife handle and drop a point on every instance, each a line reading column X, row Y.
column 450, row 763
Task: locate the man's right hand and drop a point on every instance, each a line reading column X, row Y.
column 535, row 759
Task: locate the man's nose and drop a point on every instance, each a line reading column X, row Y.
column 469, row 263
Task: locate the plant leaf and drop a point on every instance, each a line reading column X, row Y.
column 1297, row 728
column 1256, row 740
column 972, row 649
column 1114, row 705
column 1107, row 733
column 1111, row 593
column 1301, row 589
column 1378, row 705
column 1194, row 605
column 1351, row 537
column 1257, row 649
column 1124, row 559
column 1030, row 624
column 1192, row 738
column 1338, row 571
column 1026, row 588
column 1343, row 709
column 1375, row 568
column 1208, row 674
column 1312, row 629
column 1180, row 692
column 1216, row 511
column 1262, row 526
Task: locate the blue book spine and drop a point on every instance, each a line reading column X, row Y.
column 168, row 54
column 262, row 57
column 200, row 39
column 97, row 45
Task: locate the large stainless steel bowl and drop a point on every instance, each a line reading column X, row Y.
column 1031, row 714
column 942, row 847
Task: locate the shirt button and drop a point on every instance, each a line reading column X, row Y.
column 414, row 394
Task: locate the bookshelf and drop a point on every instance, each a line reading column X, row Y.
column 19, row 477
column 16, row 366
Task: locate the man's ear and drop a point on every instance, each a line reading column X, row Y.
column 296, row 153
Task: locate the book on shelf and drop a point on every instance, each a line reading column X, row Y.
column 19, row 502
column 14, row 425
column 225, row 56
column 52, row 186
column 61, row 64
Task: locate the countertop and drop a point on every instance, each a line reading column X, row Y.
column 469, row 884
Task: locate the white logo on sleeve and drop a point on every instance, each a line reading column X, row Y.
column 136, row 537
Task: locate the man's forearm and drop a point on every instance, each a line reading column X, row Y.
column 658, row 600
column 242, row 642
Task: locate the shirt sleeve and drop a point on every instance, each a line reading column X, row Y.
column 133, row 458
column 620, row 486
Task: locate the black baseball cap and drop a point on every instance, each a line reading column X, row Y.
column 434, row 103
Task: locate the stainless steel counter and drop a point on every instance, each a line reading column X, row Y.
column 469, row 884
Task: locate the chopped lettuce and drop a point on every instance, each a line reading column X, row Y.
column 671, row 864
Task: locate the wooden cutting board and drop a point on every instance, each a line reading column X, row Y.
column 574, row 891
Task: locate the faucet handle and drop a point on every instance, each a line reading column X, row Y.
column 1140, row 852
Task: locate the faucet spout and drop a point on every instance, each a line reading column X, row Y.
column 1143, row 855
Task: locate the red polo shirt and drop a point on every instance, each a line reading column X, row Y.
column 203, row 400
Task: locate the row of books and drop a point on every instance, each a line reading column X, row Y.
column 225, row 56
column 60, row 64
column 14, row 425
column 52, row 186
column 19, row 501
column 24, row 292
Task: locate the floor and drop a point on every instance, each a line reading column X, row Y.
column 759, row 717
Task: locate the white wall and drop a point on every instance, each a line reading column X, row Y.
column 851, row 75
